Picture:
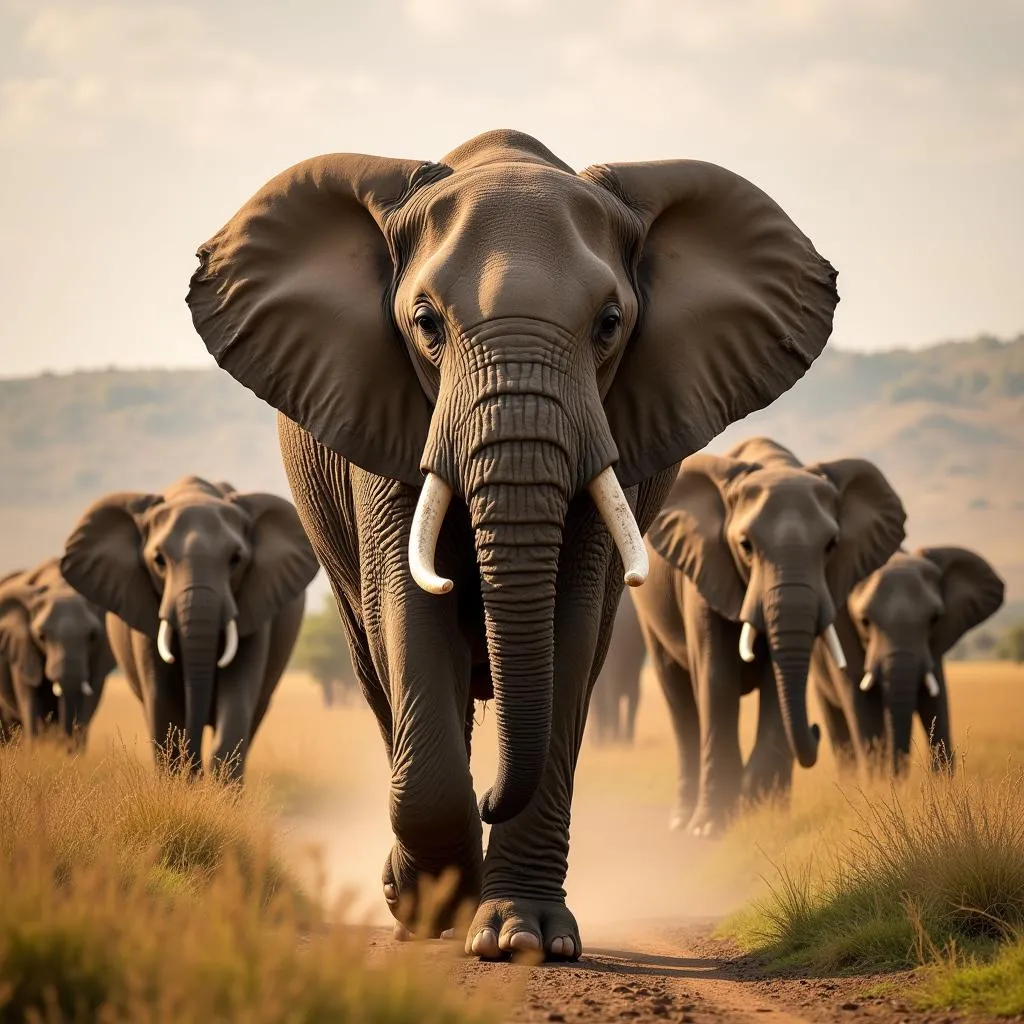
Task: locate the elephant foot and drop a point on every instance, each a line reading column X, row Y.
column 505, row 926
column 681, row 814
column 426, row 903
column 705, row 824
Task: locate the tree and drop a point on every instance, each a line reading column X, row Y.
column 1012, row 646
column 322, row 651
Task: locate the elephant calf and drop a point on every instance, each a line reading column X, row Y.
column 54, row 654
column 205, row 590
column 750, row 556
column 617, row 690
column 895, row 628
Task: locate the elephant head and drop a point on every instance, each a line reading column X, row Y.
column 498, row 328
column 908, row 614
column 777, row 546
column 54, row 639
column 196, row 568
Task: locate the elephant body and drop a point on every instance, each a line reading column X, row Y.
column 487, row 369
column 54, row 654
column 749, row 558
column 204, row 590
column 896, row 627
column 617, row 689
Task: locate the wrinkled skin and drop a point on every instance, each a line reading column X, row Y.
column 492, row 321
column 54, row 655
column 617, row 690
column 753, row 537
column 207, row 561
column 896, row 628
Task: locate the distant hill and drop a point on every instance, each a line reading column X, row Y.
column 946, row 425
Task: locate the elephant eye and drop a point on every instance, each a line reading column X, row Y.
column 609, row 323
column 427, row 323
column 831, row 545
column 159, row 561
column 236, row 559
column 745, row 546
column 865, row 622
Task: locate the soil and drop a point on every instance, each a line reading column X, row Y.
column 681, row 975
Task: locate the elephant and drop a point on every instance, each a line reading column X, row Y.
column 54, row 655
column 895, row 628
column 750, row 557
column 617, row 689
column 486, row 370
column 204, row 590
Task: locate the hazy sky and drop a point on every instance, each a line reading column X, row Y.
column 891, row 130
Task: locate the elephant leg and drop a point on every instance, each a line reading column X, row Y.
column 523, row 899
column 235, row 710
column 677, row 686
column 840, row 736
column 934, row 712
column 632, row 701
column 770, row 768
column 163, row 699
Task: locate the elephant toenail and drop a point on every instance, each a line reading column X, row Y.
column 563, row 946
column 448, row 933
column 400, row 933
column 485, row 943
column 524, row 942
column 390, row 893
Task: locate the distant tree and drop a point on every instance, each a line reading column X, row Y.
column 322, row 651
column 1012, row 646
column 985, row 642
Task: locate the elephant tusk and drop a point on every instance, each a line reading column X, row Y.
column 618, row 517
column 58, row 690
column 163, row 642
column 426, row 526
column 230, row 645
column 747, row 636
column 835, row 648
column 931, row 684
column 867, row 682
column 87, row 689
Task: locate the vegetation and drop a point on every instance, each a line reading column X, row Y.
column 131, row 896
column 1012, row 646
column 322, row 652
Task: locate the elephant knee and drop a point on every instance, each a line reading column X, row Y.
column 430, row 815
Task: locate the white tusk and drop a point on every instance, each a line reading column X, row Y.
column 747, row 636
column 426, row 526
column 230, row 645
column 867, row 682
column 58, row 690
column 618, row 517
column 835, row 648
column 87, row 689
column 163, row 642
column 931, row 684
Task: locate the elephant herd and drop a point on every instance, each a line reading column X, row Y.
column 196, row 594
column 488, row 370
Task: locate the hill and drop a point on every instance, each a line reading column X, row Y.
column 946, row 424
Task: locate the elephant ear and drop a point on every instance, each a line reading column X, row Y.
column 689, row 531
column 871, row 523
column 282, row 563
column 735, row 306
column 16, row 644
column 103, row 560
column 291, row 298
column 971, row 592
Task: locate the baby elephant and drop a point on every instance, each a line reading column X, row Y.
column 205, row 588
column 54, row 655
column 897, row 625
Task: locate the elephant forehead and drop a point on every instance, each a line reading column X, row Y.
column 515, row 240
column 68, row 614
column 785, row 497
column 203, row 526
column 902, row 591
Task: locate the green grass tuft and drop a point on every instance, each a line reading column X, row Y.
column 994, row 988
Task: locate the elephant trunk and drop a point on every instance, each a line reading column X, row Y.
column 902, row 675
column 199, row 614
column 791, row 614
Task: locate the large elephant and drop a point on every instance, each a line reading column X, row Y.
column 895, row 628
column 488, row 370
column 205, row 590
column 751, row 556
column 54, row 654
column 616, row 694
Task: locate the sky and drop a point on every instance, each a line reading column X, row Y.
column 892, row 131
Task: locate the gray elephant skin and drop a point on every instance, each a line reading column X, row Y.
column 54, row 655
column 616, row 694
column 205, row 591
column 471, row 358
column 896, row 627
column 750, row 557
